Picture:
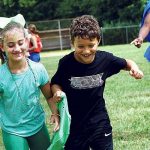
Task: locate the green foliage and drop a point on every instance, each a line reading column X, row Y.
column 27, row 3
column 73, row 8
column 22, row 3
column 106, row 11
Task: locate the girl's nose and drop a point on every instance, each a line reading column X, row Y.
column 17, row 47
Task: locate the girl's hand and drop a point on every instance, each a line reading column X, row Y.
column 55, row 119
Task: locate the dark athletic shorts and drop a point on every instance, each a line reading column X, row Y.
column 97, row 139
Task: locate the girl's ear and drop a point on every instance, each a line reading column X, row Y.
column 1, row 46
column 27, row 40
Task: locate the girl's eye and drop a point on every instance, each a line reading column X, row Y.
column 10, row 45
column 20, row 43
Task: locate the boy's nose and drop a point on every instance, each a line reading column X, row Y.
column 87, row 50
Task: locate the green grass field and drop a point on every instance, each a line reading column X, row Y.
column 127, row 99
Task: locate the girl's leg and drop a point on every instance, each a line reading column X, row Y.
column 14, row 142
column 40, row 140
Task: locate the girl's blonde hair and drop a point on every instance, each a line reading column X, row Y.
column 10, row 26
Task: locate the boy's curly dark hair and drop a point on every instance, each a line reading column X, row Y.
column 86, row 27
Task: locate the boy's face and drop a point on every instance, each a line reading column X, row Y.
column 85, row 49
column 15, row 44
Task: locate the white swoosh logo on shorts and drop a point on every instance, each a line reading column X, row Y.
column 107, row 134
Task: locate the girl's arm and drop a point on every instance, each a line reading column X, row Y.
column 55, row 118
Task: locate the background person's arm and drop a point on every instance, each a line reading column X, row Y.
column 34, row 43
column 144, row 30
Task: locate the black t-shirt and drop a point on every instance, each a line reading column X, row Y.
column 84, row 86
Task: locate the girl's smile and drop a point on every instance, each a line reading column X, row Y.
column 15, row 45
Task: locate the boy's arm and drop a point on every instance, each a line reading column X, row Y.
column 133, row 69
column 55, row 118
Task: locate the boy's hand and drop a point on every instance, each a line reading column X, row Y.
column 57, row 96
column 136, row 73
column 137, row 42
column 55, row 119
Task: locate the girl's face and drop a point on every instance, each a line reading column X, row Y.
column 14, row 44
column 85, row 49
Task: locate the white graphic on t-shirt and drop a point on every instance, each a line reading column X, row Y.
column 87, row 82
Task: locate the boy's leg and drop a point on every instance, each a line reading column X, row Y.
column 40, row 140
column 77, row 142
column 101, row 141
column 14, row 142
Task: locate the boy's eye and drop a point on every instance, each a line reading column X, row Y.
column 91, row 46
column 80, row 46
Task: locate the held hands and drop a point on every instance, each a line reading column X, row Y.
column 57, row 96
column 55, row 119
column 136, row 73
column 137, row 42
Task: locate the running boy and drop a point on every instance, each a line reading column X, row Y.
column 22, row 118
column 82, row 75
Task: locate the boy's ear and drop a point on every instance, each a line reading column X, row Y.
column 99, row 40
column 72, row 46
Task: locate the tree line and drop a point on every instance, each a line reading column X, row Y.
column 108, row 12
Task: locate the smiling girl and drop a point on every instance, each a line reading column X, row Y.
column 22, row 118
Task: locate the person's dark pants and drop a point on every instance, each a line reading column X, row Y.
column 94, row 141
column 38, row 141
column 35, row 57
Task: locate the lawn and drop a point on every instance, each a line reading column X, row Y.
column 127, row 99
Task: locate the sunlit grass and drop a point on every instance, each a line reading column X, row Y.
column 127, row 99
